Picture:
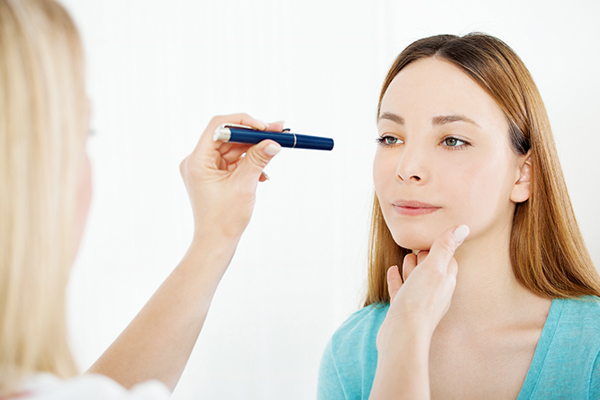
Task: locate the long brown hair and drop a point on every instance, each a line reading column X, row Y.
column 547, row 251
column 43, row 118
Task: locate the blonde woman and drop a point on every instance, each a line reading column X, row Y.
column 498, row 297
column 45, row 195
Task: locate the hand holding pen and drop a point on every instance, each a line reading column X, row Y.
column 221, row 185
column 221, row 182
column 245, row 134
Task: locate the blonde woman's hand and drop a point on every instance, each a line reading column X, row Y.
column 221, row 178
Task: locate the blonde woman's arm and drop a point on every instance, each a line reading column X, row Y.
column 221, row 185
column 416, row 308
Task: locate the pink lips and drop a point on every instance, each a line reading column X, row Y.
column 413, row 208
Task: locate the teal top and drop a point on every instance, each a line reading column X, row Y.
column 565, row 364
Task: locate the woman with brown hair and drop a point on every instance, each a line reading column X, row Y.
column 498, row 297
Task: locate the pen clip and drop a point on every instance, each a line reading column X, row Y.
column 223, row 126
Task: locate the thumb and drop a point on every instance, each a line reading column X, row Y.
column 257, row 157
column 443, row 248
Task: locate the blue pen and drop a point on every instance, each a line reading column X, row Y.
column 245, row 134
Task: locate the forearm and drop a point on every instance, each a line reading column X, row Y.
column 158, row 342
column 403, row 369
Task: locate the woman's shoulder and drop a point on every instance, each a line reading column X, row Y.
column 574, row 328
column 361, row 326
column 581, row 311
column 350, row 358
column 46, row 386
column 566, row 360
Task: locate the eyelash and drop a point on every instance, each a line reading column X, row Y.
column 462, row 146
column 381, row 141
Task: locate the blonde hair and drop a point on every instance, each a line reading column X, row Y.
column 43, row 118
column 548, row 253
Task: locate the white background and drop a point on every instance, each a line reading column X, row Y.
column 160, row 69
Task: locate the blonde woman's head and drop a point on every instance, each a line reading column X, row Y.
column 43, row 127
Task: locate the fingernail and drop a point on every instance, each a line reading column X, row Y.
column 264, row 125
column 265, row 175
column 461, row 233
column 272, row 149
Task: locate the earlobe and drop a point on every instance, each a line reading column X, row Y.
column 521, row 189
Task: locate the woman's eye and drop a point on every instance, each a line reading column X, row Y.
column 454, row 142
column 388, row 140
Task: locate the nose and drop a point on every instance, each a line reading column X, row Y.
column 412, row 166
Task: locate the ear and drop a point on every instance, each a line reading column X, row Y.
column 521, row 189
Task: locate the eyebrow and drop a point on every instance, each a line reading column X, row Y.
column 446, row 119
column 392, row 117
column 439, row 120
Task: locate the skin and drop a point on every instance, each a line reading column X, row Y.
column 84, row 198
column 221, row 185
column 460, row 326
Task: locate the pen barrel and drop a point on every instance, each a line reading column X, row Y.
column 292, row 140
column 254, row 137
column 313, row 142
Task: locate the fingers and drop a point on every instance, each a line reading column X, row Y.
column 408, row 265
column 421, row 255
column 275, row 126
column 443, row 248
column 263, row 177
column 394, row 282
column 231, row 153
column 227, row 156
column 206, row 142
column 442, row 251
column 251, row 167
column 230, row 157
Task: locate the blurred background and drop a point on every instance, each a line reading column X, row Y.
column 158, row 70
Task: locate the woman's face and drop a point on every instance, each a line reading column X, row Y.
column 444, row 157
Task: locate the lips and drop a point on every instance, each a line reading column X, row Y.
column 414, row 208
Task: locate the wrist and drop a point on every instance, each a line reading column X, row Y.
column 209, row 254
column 220, row 228
column 215, row 240
column 402, row 368
column 402, row 341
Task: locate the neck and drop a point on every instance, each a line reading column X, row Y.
column 487, row 292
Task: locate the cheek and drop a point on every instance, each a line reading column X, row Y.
column 479, row 193
column 473, row 191
column 383, row 172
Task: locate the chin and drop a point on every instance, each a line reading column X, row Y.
column 412, row 240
